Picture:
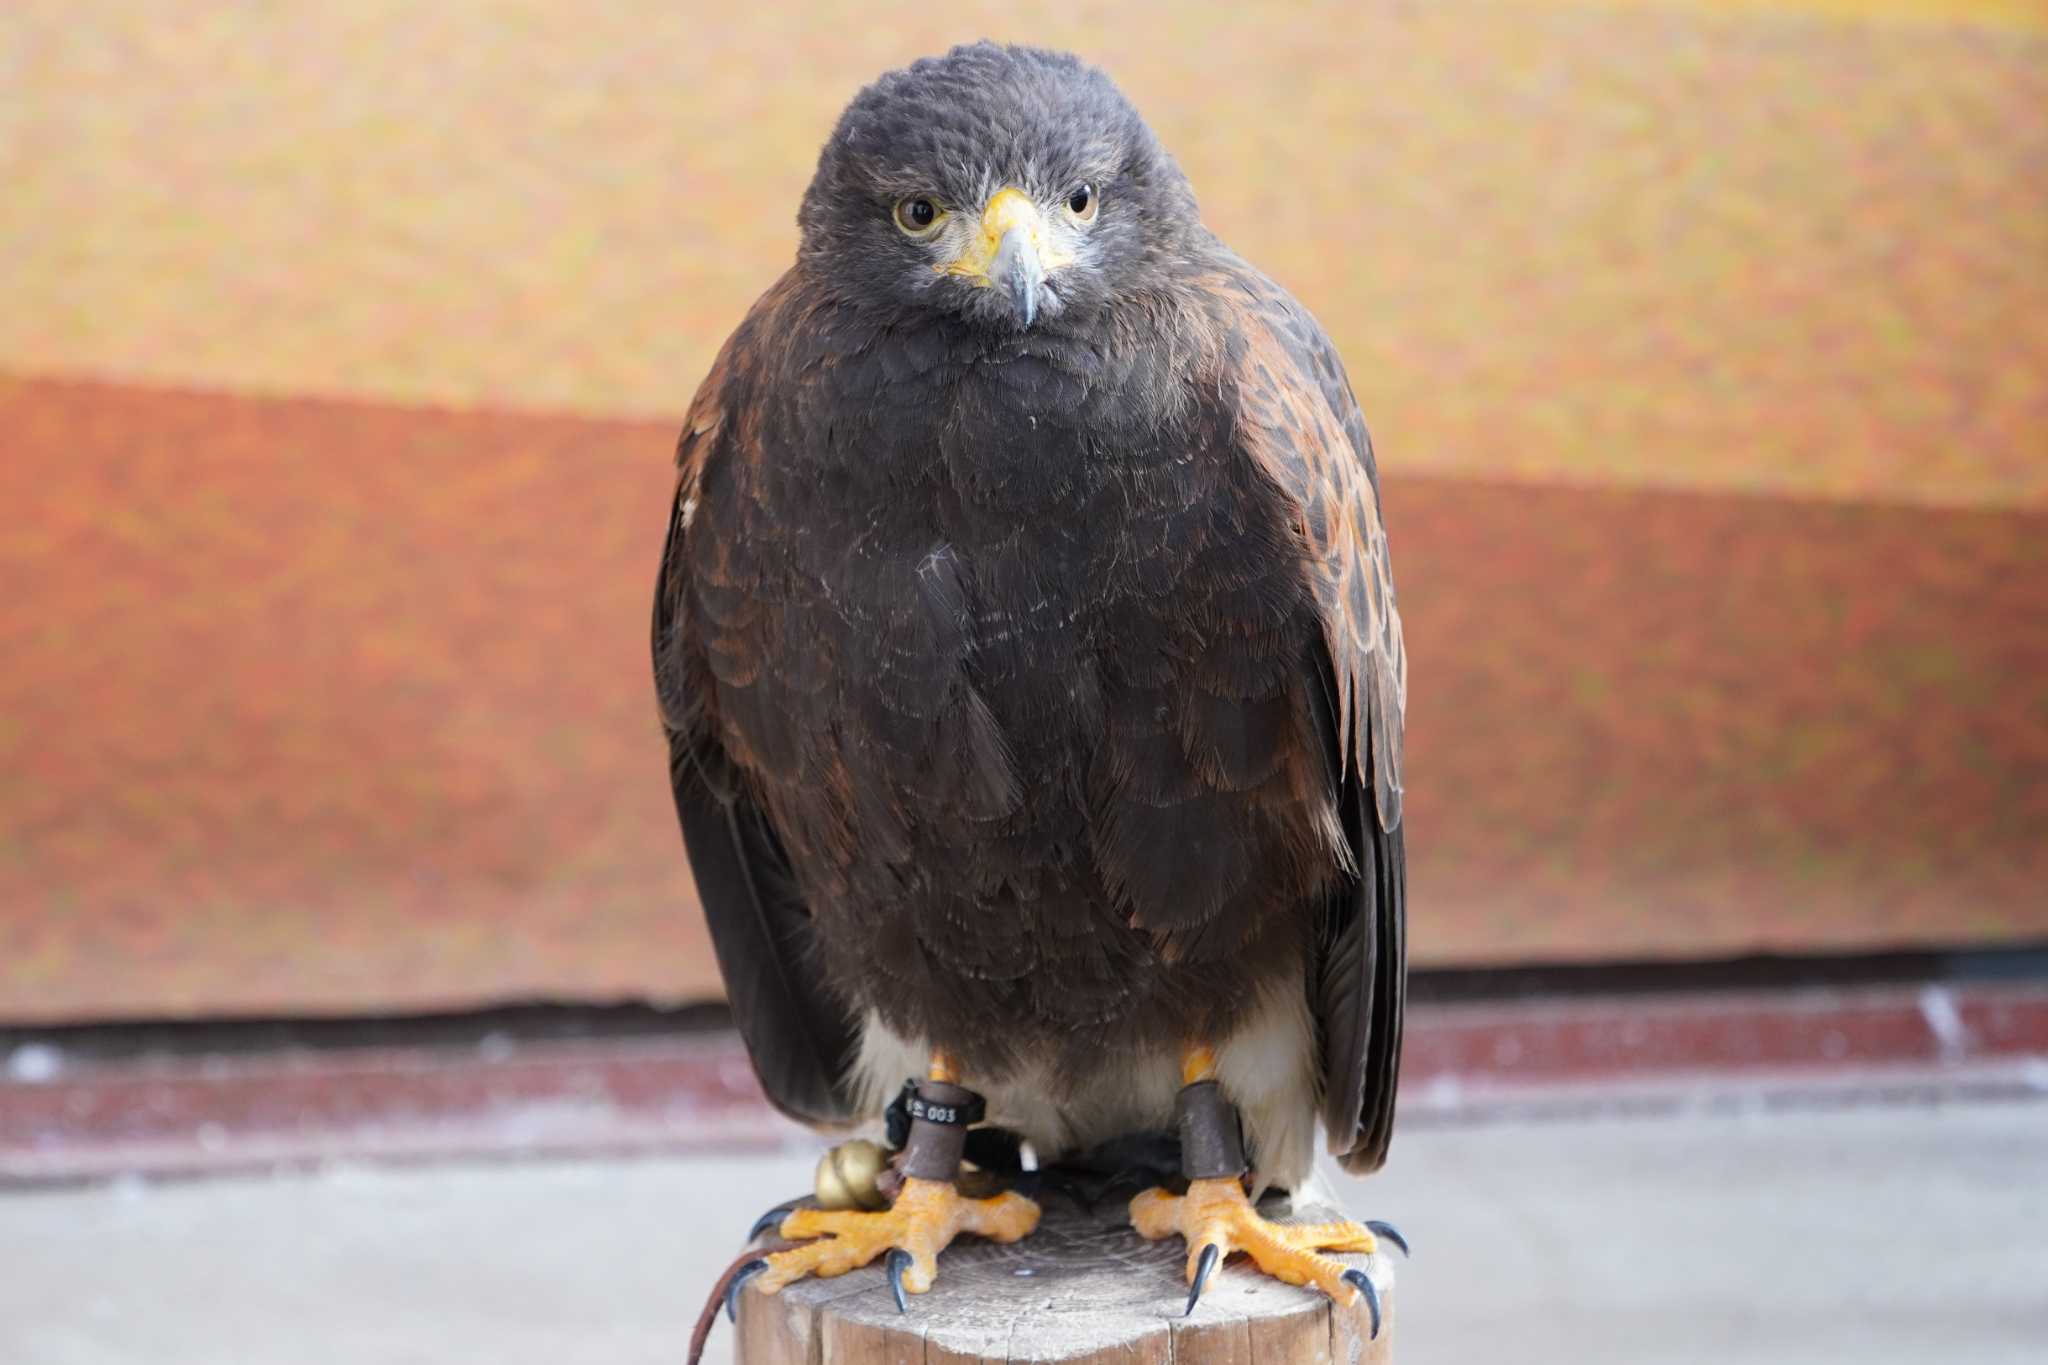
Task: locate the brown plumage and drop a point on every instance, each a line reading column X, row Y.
column 1028, row 654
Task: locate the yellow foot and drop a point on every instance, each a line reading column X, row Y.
column 1217, row 1218
column 927, row 1215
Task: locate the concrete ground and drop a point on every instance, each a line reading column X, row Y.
column 1873, row 1234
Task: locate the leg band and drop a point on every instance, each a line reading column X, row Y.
column 939, row 1115
column 1211, row 1140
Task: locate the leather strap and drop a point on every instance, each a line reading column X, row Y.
column 939, row 1115
column 1211, row 1138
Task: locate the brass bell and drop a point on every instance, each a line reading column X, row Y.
column 847, row 1176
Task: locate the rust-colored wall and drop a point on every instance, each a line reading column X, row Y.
column 1706, row 348
column 317, row 705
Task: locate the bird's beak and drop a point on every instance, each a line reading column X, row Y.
column 1010, row 252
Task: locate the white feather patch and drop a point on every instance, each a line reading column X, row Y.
column 1266, row 1067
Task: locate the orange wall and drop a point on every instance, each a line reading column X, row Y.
column 1766, row 246
column 1706, row 348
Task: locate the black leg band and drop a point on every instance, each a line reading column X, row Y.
column 1211, row 1140
column 939, row 1116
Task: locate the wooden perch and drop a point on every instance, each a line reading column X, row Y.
column 1083, row 1289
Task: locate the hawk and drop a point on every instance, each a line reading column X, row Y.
column 1026, row 646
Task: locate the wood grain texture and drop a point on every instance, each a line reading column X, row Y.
column 1084, row 1290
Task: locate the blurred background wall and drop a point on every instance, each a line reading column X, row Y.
column 342, row 349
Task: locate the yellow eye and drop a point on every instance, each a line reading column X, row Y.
column 1082, row 202
column 918, row 215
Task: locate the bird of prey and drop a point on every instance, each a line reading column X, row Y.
column 1026, row 646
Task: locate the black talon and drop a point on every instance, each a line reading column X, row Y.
column 732, row 1287
column 1390, row 1232
column 898, row 1262
column 769, row 1221
column 1372, row 1296
column 1210, row 1255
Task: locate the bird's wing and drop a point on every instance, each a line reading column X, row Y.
column 801, row 1040
column 1297, row 419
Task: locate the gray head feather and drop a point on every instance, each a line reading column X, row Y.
column 960, row 127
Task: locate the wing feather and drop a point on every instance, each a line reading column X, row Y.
column 1300, row 423
column 800, row 1039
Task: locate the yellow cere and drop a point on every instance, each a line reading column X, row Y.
column 1008, row 210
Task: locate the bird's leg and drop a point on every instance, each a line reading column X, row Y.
column 928, row 1212
column 1216, row 1215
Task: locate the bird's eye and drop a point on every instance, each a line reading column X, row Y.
column 1082, row 202
column 918, row 215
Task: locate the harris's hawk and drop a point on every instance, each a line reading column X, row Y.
column 1027, row 650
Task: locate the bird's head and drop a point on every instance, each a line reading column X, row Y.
column 1010, row 186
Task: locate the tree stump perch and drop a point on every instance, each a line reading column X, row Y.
column 1084, row 1289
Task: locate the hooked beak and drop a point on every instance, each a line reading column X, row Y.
column 1018, row 272
column 1010, row 252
